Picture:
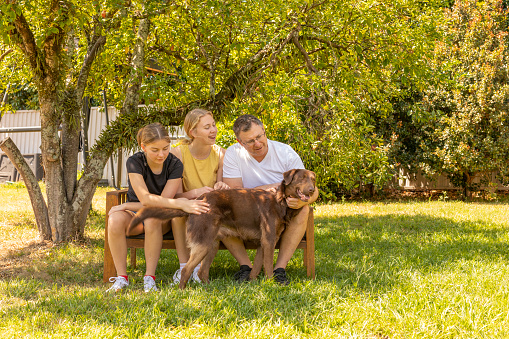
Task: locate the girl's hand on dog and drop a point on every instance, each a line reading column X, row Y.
column 221, row 186
column 197, row 192
column 194, row 206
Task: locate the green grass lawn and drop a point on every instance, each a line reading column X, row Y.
column 383, row 270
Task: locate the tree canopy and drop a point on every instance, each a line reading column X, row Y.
column 457, row 125
column 315, row 72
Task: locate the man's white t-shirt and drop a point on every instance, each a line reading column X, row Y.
column 238, row 163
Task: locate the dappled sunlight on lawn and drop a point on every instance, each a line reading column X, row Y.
column 19, row 230
column 379, row 245
column 14, row 199
column 22, row 253
column 409, row 266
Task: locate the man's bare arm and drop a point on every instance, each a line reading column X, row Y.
column 237, row 183
column 234, row 182
column 268, row 187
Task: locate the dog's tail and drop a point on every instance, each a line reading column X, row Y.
column 157, row 213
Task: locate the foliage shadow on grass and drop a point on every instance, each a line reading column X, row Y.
column 355, row 255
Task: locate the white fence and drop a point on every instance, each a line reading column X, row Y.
column 30, row 142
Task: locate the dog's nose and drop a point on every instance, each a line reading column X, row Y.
column 311, row 190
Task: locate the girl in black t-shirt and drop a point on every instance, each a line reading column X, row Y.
column 154, row 175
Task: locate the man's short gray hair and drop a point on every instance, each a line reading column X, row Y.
column 244, row 122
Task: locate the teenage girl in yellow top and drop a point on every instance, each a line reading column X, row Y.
column 203, row 172
column 154, row 179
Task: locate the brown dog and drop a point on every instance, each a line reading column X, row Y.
column 249, row 214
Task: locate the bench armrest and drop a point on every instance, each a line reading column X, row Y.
column 114, row 198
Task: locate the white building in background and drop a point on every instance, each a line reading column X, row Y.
column 29, row 143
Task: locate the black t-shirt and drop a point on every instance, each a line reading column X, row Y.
column 137, row 163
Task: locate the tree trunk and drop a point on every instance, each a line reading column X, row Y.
column 34, row 191
column 94, row 168
column 52, row 159
column 132, row 97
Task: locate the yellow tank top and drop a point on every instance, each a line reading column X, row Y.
column 199, row 173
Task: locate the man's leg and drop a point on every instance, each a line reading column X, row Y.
column 238, row 250
column 290, row 239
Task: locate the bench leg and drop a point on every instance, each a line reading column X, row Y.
column 109, row 267
column 133, row 257
column 309, row 251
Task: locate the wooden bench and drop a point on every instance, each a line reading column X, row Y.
column 114, row 198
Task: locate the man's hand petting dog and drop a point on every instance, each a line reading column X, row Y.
column 295, row 203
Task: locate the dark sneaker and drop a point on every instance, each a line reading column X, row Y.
column 280, row 276
column 243, row 274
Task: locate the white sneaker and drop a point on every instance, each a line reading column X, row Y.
column 149, row 284
column 176, row 277
column 118, row 284
column 194, row 276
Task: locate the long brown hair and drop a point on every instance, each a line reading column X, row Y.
column 191, row 121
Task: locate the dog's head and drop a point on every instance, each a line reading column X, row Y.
column 299, row 183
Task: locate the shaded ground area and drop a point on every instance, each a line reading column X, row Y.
column 18, row 250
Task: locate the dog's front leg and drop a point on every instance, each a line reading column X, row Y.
column 268, row 245
column 203, row 273
column 268, row 259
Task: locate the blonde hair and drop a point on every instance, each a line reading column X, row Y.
column 191, row 121
column 152, row 133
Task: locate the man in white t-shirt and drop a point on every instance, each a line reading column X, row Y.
column 257, row 162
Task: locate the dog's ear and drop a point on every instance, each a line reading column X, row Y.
column 288, row 176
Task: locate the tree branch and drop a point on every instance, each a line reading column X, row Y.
column 34, row 191
column 139, row 15
column 324, row 41
column 313, row 6
column 132, row 94
column 4, row 54
column 309, row 64
column 53, row 42
column 25, row 39
column 251, row 72
column 92, row 53
column 178, row 56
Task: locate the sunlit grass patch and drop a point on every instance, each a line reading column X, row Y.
column 434, row 269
